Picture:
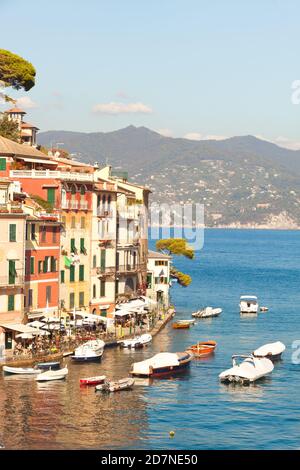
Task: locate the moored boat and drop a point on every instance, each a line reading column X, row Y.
column 90, row 351
column 271, row 351
column 162, row 364
column 52, row 375
column 264, row 309
column 99, row 379
column 137, row 342
column 207, row 312
column 191, row 322
column 203, row 348
column 248, row 371
column 179, row 326
column 116, row 386
column 21, row 370
column 248, row 304
column 54, row 365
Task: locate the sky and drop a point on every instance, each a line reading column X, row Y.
column 185, row 68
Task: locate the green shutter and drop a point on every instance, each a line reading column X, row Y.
column 62, row 276
column 51, row 195
column 81, row 299
column 103, row 259
column 102, row 289
column 11, row 272
column 72, row 273
column 45, row 264
column 73, row 249
column 53, row 264
column 32, row 265
column 11, row 302
column 82, row 248
column 12, row 232
column 72, row 297
column 81, row 272
column 2, row 164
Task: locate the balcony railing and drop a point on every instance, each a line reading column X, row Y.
column 104, row 212
column 6, row 281
column 83, row 205
column 105, row 270
column 64, row 175
column 11, row 207
column 128, row 213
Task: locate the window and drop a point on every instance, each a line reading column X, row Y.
column 161, row 263
column 82, row 190
column 82, row 222
column 161, row 280
column 48, row 293
column 149, row 281
column 2, row 164
column 102, row 288
column 82, row 247
column 73, row 222
column 12, row 272
column 43, row 231
column 46, row 265
column 81, row 299
column 103, row 259
column 103, row 312
column 33, row 236
column 51, row 195
column 12, row 232
column 54, row 232
column 11, row 303
column 72, row 300
column 94, row 291
column 40, row 269
column 81, row 272
column 32, row 265
column 53, row 264
column 94, row 261
column 30, row 297
column 72, row 273
column 62, row 276
column 73, row 248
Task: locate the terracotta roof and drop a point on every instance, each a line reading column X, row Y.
column 8, row 147
column 15, row 110
column 27, row 125
column 156, row 254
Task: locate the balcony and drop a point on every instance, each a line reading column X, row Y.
column 83, row 205
column 105, row 270
column 63, row 175
column 102, row 212
column 11, row 208
column 6, row 281
column 128, row 213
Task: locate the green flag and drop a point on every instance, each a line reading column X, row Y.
column 68, row 262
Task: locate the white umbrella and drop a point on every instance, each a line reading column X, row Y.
column 25, row 336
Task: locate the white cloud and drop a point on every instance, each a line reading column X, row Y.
column 26, row 102
column 282, row 142
column 197, row 136
column 165, row 132
column 122, row 108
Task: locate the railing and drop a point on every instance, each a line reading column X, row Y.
column 65, row 175
column 103, row 270
column 73, row 204
column 5, row 281
column 11, row 207
column 83, row 205
column 104, row 212
column 127, row 213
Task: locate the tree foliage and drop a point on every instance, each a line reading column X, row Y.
column 9, row 128
column 15, row 72
column 178, row 247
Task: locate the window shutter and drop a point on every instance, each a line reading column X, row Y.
column 11, row 302
column 12, row 232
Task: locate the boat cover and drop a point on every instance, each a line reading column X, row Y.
column 159, row 360
column 271, row 348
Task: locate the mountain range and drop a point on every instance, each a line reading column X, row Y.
column 242, row 181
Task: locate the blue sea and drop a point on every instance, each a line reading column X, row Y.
column 203, row 413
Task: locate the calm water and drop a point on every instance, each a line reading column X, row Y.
column 203, row 413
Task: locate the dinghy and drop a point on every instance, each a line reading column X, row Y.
column 191, row 322
column 272, row 351
column 116, row 386
column 90, row 351
column 264, row 309
column 99, row 379
column 21, row 370
column 207, row 312
column 181, row 326
column 48, row 365
column 137, row 342
column 162, row 364
column 52, row 375
column 202, row 349
column 248, row 371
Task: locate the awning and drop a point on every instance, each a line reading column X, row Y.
column 121, row 313
column 19, row 327
column 36, row 160
column 35, row 324
column 92, row 318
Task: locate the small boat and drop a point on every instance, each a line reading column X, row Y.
column 271, row 351
column 21, row 370
column 248, row 304
column 49, row 365
column 203, row 349
column 52, row 375
column 162, row 364
column 116, row 386
column 89, row 352
column 99, row 379
column 179, row 326
column 248, row 371
column 137, row 342
column 190, row 322
column 264, row 309
column 207, row 312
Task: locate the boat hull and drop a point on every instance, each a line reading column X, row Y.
column 203, row 349
column 86, row 359
column 167, row 370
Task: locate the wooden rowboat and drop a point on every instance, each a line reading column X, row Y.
column 99, row 379
column 181, row 325
column 202, row 349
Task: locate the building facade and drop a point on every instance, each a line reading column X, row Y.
column 158, row 277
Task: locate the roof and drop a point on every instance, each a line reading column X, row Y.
column 156, row 254
column 15, row 110
column 249, row 297
column 27, row 125
column 9, row 147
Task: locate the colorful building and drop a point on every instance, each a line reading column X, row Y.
column 158, row 277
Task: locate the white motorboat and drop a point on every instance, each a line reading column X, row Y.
column 89, row 352
column 21, row 370
column 137, row 342
column 162, row 364
column 207, row 312
column 248, row 371
column 272, row 351
column 52, row 375
column 116, row 386
column 248, row 304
